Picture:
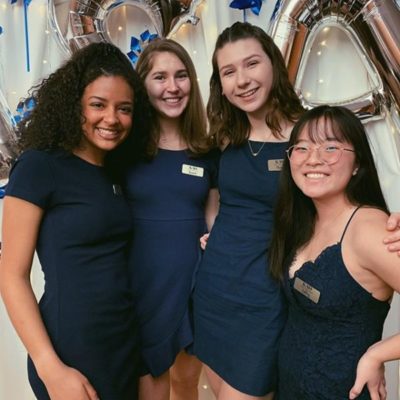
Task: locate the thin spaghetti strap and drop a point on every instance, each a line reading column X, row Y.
column 348, row 223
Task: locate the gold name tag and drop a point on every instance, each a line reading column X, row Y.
column 275, row 165
column 307, row 290
column 192, row 170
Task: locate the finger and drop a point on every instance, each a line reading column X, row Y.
column 391, row 222
column 354, row 392
column 92, row 395
column 382, row 391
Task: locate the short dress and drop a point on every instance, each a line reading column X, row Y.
column 167, row 198
column 82, row 247
column 238, row 308
column 323, row 340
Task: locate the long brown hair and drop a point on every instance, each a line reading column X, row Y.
column 193, row 120
column 229, row 122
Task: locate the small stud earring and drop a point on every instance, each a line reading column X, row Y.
column 355, row 172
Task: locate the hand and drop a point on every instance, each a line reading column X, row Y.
column 393, row 240
column 203, row 241
column 65, row 383
column 370, row 372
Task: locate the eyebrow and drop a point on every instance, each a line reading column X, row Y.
column 244, row 60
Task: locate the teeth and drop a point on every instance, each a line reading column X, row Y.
column 249, row 93
column 314, row 175
column 107, row 132
column 174, row 100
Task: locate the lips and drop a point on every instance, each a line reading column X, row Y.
column 107, row 134
column 247, row 93
column 172, row 100
column 315, row 175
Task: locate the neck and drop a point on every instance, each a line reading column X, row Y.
column 170, row 135
column 329, row 211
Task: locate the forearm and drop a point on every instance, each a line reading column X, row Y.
column 23, row 310
column 386, row 350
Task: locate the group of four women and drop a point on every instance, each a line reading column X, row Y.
column 118, row 182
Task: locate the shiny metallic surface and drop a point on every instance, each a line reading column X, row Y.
column 373, row 26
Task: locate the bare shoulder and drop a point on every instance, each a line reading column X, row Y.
column 367, row 222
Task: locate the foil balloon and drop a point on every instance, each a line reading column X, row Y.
column 373, row 26
column 88, row 19
column 8, row 140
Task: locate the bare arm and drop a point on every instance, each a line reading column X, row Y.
column 386, row 267
column 212, row 207
column 21, row 222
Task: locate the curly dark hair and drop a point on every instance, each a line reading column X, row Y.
column 228, row 121
column 56, row 120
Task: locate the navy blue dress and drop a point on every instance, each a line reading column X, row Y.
column 238, row 308
column 322, row 342
column 167, row 198
column 82, row 247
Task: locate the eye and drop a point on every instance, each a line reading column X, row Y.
column 227, row 72
column 96, row 105
column 252, row 63
column 158, row 77
column 126, row 109
column 300, row 149
column 182, row 75
column 331, row 148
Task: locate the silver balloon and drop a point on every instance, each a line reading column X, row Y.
column 8, row 140
column 372, row 25
column 87, row 19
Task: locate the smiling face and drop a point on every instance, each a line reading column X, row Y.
column 314, row 177
column 107, row 106
column 246, row 74
column 168, row 85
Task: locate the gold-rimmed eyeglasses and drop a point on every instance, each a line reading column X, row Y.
column 328, row 153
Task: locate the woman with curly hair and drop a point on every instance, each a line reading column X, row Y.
column 64, row 201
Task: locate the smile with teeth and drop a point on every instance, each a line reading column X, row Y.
column 107, row 133
column 248, row 93
column 172, row 100
column 315, row 175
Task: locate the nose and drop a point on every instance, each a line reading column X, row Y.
column 172, row 85
column 314, row 157
column 110, row 115
column 241, row 78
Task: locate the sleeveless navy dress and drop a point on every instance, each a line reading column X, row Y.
column 82, row 247
column 238, row 308
column 323, row 342
column 167, row 198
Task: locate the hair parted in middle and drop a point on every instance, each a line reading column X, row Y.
column 193, row 120
column 295, row 213
column 227, row 121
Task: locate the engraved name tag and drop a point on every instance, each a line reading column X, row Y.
column 307, row 290
column 275, row 165
column 192, row 170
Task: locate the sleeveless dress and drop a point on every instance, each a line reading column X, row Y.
column 167, row 198
column 238, row 308
column 82, row 243
column 322, row 342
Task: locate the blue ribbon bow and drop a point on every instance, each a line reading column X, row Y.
column 254, row 5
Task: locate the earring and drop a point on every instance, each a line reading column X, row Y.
column 355, row 172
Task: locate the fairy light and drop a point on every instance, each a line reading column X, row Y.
column 120, row 28
column 323, row 43
column 44, row 61
column 320, row 81
column 326, row 29
column 47, row 32
column 319, row 53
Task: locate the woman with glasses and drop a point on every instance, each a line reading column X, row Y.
column 330, row 222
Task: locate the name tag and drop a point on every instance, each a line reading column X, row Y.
column 192, row 170
column 275, row 165
column 307, row 290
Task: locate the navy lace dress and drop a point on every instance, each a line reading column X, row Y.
column 322, row 342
